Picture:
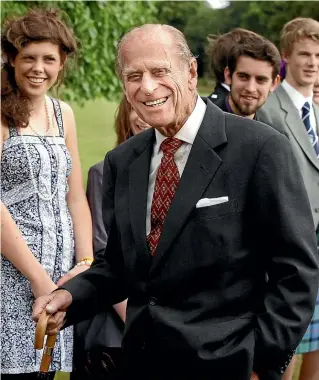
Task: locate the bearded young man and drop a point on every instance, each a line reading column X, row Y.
column 186, row 206
column 252, row 71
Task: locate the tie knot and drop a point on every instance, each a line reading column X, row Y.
column 170, row 145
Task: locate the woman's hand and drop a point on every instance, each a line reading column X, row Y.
column 72, row 273
column 43, row 286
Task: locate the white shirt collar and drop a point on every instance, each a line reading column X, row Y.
column 226, row 86
column 189, row 130
column 296, row 97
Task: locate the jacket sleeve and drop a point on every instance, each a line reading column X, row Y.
column 104, row 284
column 94, row 196
column 285, row 229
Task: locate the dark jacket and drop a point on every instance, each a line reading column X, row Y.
column 232, row 287
column 219, row 95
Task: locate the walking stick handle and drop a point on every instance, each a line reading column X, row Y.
column 39, row 341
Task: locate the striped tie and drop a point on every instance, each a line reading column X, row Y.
column 311, row 132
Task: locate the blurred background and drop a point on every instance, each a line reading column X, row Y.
column 92, row 87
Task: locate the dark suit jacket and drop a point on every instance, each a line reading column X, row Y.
column 219, row 95
column 94, row 196
column 204, row 294
column 105, row 330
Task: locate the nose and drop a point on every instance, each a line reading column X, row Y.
column 148, row 84
column 251, row 85
column 38, row 66
column 313, row 60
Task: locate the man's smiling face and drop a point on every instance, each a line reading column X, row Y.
column 158, row 83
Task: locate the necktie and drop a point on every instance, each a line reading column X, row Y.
column 166, row 182
column 311, row 132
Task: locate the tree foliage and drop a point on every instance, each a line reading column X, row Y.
column 264, row 17
column 98, row 25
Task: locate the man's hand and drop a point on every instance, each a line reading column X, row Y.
column 254, row 376
column 55, row 304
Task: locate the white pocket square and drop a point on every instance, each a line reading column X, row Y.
column 205, row 202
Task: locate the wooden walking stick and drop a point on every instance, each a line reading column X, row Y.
column 39, row 341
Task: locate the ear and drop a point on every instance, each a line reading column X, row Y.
column 192, row 81
column 285, row 56
column 64, row 59
column 11, row 61
column 227, row 76
column 275, row 83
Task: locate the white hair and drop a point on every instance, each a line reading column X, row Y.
column 177, row 36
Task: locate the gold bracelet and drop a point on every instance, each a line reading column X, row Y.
column 85, row 261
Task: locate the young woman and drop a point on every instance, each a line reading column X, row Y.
column 127, row 122
column 46, row 224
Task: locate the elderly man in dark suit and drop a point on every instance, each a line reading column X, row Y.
column 210, row 231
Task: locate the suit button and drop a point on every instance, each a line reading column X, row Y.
column 152, row 301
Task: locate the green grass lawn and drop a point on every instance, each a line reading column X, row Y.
column 95, row 129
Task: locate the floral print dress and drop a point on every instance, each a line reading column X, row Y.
column 46, row 226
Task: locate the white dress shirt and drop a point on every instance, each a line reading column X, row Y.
column 186, row 134
column 298, row 101
column 226, row 86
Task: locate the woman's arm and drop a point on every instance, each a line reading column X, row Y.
column 76, row 199
column 15, row 249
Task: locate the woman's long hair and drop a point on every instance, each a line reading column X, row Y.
column 122, row 121
column 36, row 26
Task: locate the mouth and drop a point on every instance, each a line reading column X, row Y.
column 156, row 103
column 35, row 80
column 310, row 72
column 249, row 98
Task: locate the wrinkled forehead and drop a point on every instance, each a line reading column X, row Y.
column 153, row 48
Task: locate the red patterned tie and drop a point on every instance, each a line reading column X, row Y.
column 166, row 182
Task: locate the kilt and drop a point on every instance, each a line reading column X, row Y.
column 310, row 341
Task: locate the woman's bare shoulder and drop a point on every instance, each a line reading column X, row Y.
column 4, row 131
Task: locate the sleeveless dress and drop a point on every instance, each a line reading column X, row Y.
column 46, row 226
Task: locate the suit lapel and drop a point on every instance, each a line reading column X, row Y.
column 200, row 169
column 296, row 126
column 138, row 188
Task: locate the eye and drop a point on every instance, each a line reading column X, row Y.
column 133, row 77
column 27, row 58
column 160, row 72
column 52, row 59
column 242, row 76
